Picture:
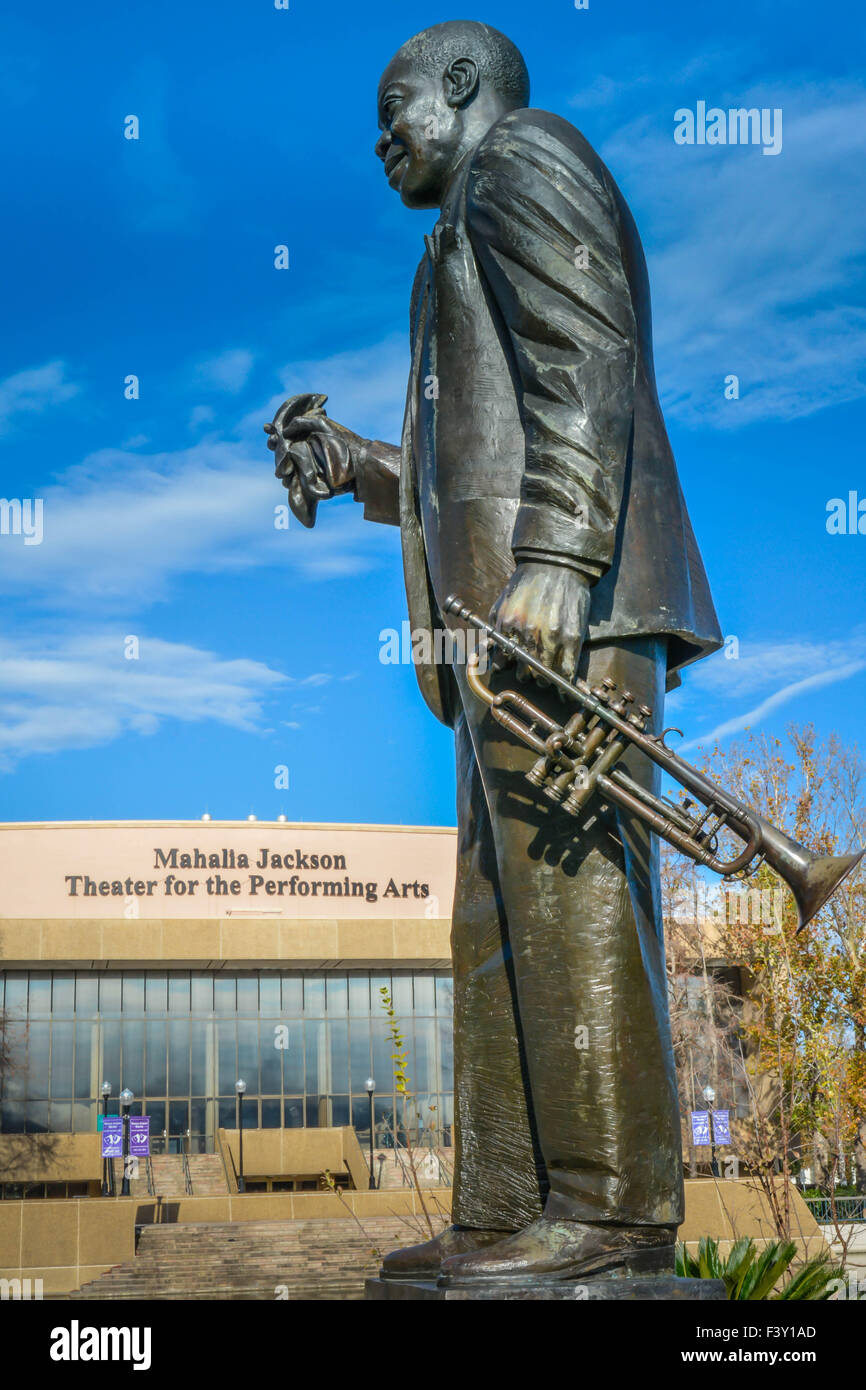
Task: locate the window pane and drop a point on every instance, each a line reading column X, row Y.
column 86, row 1084
column 339, row 1110
column 202, row 994
column 109, row 994
column 314, row 995
column 62, row 1057
column 227, row 1073
column 269, row 993
column 337, row 993
column 359, row 1054
column 444, row 994
column 248, row 994
column 359, row 994
column 446, row 1056
column 38, row 1076
column 293, row 995
column 224, row 994
column 12, row 1117
column 227, row 1114
column 425, row 1001
column 293, row 1059
column 84, row 1117
column 402, row 997
column 111, row 1066
column 271, row 1114
column 271, row 1057
column 339, row 1036
column 294, row 1113
column 86, row 994
column 201, row 1043
column 156, row 1068
column 198, row 1116
column 133, row 1056
column 133, row 994
column 14, row 1076
column 156, row 1111
column 383, row 1066
column 40, row 995
column 248, row 1055
column 16, row 993
column 178, row 1058
column 156, row 994
column 377, row 984
column 37, row 1117
column 316, row 1069
column 63, row 995
column 61, row 1117
column 422, row 1059
column 361, row 1118
column 178, row 1117
column 178, row 994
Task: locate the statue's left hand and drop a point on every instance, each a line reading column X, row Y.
column 545, row 609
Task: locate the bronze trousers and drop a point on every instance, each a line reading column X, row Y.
column 566, row 1098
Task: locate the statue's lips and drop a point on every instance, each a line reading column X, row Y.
column 393, row 162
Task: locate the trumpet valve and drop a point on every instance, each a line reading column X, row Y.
column 539, row 772
column 604, row 691
column 558, row 788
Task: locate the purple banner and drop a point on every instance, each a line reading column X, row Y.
column 112, row 1137
column 700, row 1127
column 721, row 1127
column 139, row 1136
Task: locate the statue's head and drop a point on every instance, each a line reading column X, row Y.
column 438, row 97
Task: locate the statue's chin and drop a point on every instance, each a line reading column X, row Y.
column 418, row 199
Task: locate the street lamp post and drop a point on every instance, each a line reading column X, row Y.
column 106, row 1092
column 709, row 1097
column 370, row 1088
column 240, row 1087
column 126, row 1099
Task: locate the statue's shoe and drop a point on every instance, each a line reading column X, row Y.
column 425, row 1261
column 549, row 1251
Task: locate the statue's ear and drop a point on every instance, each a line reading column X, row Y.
column 461, row 81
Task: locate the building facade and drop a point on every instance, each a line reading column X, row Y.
column 176, row 958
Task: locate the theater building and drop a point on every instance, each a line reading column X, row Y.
column 175, row 958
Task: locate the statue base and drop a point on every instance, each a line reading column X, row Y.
column 648, row 1288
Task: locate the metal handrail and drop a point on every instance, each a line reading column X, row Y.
column 847, row 1209
column 148, row 1168
column 187, row 1175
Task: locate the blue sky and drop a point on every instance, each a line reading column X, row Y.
column 154, row 257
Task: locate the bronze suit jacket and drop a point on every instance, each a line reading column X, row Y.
column 533, row 427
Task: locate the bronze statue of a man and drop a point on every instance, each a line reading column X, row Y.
column 535, row 479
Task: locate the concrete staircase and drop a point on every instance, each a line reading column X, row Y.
column 253, row 1260
column 206, row 1172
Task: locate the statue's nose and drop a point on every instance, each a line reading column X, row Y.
column 383, row 144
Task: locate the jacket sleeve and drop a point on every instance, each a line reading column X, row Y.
column 377, row 482
column 542, row 220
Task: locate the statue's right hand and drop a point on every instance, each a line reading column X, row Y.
column 315, row 456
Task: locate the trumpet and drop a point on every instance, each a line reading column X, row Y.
column 577, row 760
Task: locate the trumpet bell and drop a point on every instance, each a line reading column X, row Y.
column 819, row 881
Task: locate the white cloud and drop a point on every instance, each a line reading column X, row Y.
column 755, row 257
column 771, row 673
column 34, row 390
column 78, row 691
column 366, row 388
column 119, row 527
column 228, row 372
